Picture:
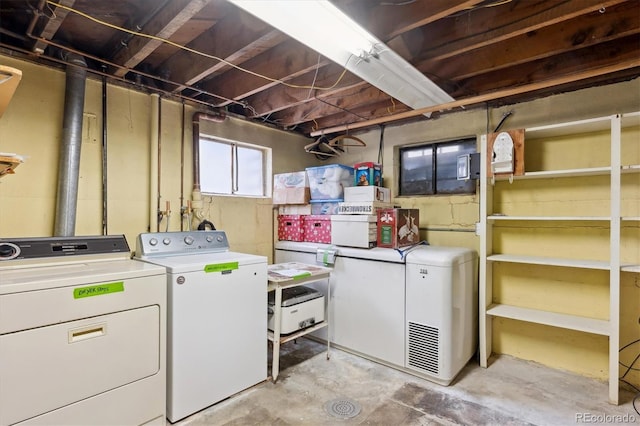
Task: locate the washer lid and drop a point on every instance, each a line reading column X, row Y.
column 71, row 274
column 207, row 262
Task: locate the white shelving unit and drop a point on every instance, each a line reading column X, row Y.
column 489, row 219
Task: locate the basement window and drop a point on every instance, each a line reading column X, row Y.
column 232, row 168
column 431, row 169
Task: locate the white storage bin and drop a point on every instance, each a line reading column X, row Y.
column 357, row 194
column 328, row 182
column 354, row 230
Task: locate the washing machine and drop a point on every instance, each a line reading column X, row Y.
column 217, row 317
column 82, row 333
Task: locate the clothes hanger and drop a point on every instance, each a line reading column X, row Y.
column 339, row 141
column 322, row 148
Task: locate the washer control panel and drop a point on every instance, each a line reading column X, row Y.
column 174, row 243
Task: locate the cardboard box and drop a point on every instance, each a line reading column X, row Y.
column 291, row 196
column 370, row 207
column 398, row 227
column 356, row 194
column 294, row 209
column 356, row 230
column 328, row 182
column 324, row 207
column 317, row 228
column 290, row 228
column 367, row 173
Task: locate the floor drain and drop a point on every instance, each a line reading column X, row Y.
column 342, row 408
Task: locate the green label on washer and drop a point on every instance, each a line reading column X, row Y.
column 219, row 267
column 98, row 290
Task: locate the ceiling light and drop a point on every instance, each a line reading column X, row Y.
column 323, row 27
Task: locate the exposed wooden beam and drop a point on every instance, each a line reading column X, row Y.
column 394, row 20
column 348, row 101
column 285, row 61
column 267, row 93
column 379, row 109
column 168, row 20
column 53, row 24
column 449, row 38
column 502, row 93
column 616, row 22
column 569, row 63
column 227, row 40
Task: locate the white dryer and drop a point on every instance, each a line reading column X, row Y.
column 217, row 317
column 82, row 333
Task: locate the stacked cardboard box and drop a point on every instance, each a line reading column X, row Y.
column 355, row 225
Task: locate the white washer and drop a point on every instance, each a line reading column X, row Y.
column 82, row 333
column 217, row 317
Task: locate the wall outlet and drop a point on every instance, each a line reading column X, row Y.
column 478, row 228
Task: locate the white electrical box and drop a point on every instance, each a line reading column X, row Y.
column 503, row 153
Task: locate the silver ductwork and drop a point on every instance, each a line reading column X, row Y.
column 69, row 160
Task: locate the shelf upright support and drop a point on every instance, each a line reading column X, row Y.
column 614, row 259
column 485, row 293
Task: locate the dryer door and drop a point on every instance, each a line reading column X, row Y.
column 45, row 368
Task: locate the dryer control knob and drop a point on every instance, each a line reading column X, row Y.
column 209, row 238
column 188, row 240
column 166, row 241
column 153, row 242
column 9, row 251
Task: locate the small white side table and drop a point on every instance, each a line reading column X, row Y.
column 286, row 275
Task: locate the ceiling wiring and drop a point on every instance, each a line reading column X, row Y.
column 314, row 77
column 197, row 52
column 482, row 6
column 393, row 108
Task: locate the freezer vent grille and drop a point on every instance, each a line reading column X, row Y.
column 423, row 347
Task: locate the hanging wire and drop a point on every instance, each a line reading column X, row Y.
column 200, row 53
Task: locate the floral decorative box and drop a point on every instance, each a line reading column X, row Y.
column 290, row 227
column 317, row 228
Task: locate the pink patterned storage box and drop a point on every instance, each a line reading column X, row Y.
column 290, row 227
column 317, row 228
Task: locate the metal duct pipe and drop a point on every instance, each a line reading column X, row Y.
column 196, row 195
column 69, row 160
column 154, row 201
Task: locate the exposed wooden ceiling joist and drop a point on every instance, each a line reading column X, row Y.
column 476, row 50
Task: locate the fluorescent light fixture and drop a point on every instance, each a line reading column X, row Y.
column 323, row 27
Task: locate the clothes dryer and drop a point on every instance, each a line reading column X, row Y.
column 82, row 333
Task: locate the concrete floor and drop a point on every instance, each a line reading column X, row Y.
column 509, row 392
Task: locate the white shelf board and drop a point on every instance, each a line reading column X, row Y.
column 631, row 268
column 572, row 322
column 631, row 168
column 287, row 337
column 570, row 128
column 630, row 218
column 550, row 261
column 548, row 174
column 551, row 218
column 631, row 119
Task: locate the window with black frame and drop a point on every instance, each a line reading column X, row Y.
column 431, row 169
